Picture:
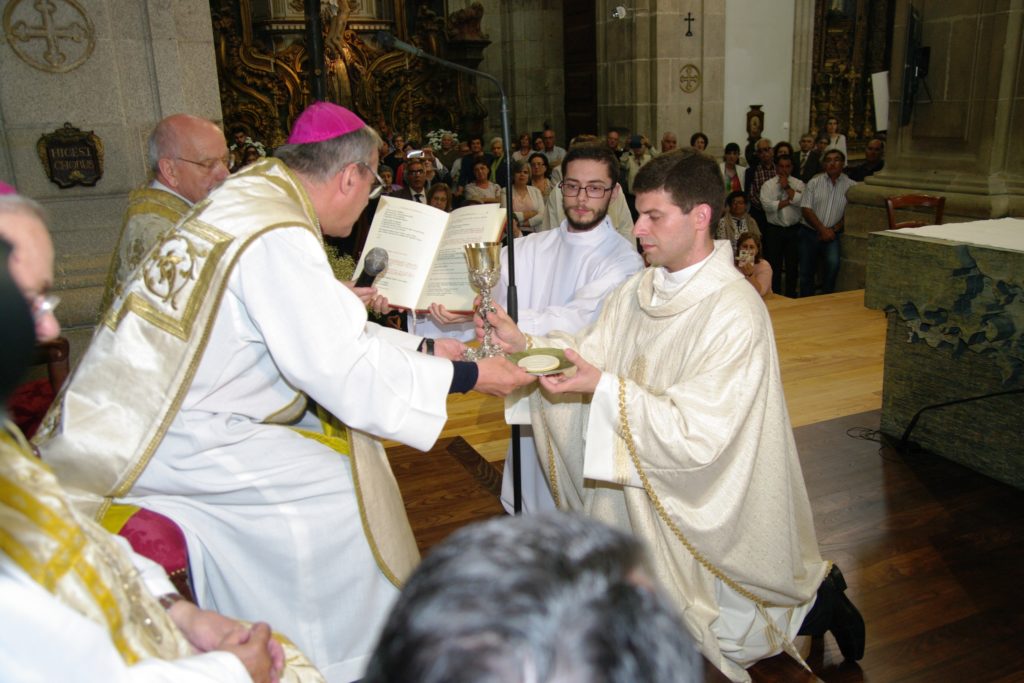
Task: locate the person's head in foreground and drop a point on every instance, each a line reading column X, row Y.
column 678, row 197
column 549, row 598
column 28, row 258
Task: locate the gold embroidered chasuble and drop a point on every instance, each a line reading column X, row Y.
column 151, row 212
column 703, row 463
column 76, row 559
column 118, row 404
column 79, row 562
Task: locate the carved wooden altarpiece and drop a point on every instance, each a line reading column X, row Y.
column 852, row 40
column 262, row 65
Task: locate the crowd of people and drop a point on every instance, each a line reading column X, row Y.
column 236, row 387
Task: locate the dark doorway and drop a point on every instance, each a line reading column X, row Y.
column 578, row 32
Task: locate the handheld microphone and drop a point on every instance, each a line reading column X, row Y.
column 373, row 265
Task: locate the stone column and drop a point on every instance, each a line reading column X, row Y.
column 803, row 63
column 526, row 56
column 145, row 60
column 964, row 140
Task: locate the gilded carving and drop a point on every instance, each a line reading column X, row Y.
column 852, row 40
column 55, row 36
column 262, row 68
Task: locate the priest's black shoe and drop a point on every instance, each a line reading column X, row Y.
column 834, row 612
column 846, row 625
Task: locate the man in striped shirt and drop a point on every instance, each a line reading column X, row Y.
column 823, row 207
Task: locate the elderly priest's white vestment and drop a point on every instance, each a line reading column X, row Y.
column 191, row 402
column 688, row 443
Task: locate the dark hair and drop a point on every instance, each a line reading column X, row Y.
column 842, row 157
column 733, row 195
column 782, row 143
column 698, row 136
column 594, row 151
column 732, row 147
column 691, row 178
column 783, row 156
column 749, row 236
column 440, row 187
column 547, row 164
column 549, row 597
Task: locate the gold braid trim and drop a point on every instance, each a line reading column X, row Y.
column 775, row 637
column 552, row 470
column 627, row 436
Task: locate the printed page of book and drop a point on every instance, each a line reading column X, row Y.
column 410, row 232
column 448, row 283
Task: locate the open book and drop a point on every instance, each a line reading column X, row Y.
column 426, row 261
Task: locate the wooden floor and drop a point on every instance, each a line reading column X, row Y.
column 933, row 553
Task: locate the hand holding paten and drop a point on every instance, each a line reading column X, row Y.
column 583, row 381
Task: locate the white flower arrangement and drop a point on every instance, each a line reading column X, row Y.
column 434, row 138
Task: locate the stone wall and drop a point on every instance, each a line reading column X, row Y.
column 148, row 59
column 526, row 56
column 640, row 61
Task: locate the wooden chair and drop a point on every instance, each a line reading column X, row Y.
column 914, row 201
column 56, row 356
column 30, row 400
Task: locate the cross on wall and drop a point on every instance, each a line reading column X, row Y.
column 50, row 32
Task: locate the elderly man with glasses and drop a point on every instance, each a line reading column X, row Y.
column 237, row 388
column 188, row 157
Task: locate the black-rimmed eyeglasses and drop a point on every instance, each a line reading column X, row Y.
column 571, row 189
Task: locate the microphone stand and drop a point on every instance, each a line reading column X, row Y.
column 389, row 42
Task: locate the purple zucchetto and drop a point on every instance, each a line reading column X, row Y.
column 323, row 121
column 6, row 189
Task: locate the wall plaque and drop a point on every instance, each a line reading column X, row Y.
column 71, row 156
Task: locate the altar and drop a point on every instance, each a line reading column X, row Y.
column 954, row 352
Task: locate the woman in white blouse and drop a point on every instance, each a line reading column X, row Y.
column 527, row 200
column 836, row 140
